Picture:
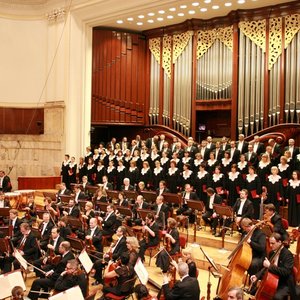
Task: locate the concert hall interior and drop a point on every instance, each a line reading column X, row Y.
column 150, row 149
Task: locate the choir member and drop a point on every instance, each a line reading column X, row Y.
column 91, row 171
column 187, row 176
column 264, row 168
column 146, row 175
column 158, row 174
column 197, row 161
column 100, row 171
column 81, row 169
column 211, row 163
column 234, row 184
column 133, row 173
column 72, row 170
column 242, row 166
column 120, row 174
column 202, row 181
column 226, row 162
column 65, row 169
column 293, row 199
column 218, row 181
column 172, row 177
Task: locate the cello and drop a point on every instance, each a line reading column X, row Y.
column 241, row 258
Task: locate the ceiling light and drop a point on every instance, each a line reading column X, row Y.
column 141, row 16
column 119, row 21
column 161, row 12
column 183, row 6
column 215, row 7
column 180, row 14
column 207, row 1
column 139, row 23
column 195, row 3
column 150, row 21
column 191, row 12
column 241, row 1
column 172, row 9
column 151, row 14
column 170, row 17
column 130, row 19
column 203, row 9
column 228, row 4
column 160, row 19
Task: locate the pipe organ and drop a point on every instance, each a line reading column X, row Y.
column 246, row 63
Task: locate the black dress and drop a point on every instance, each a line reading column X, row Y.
column 146, row 177
column 65, row 173
column 225, row 165
column 72, row 173
column 275, row 190
column 293, row 195
column 202, row 181
column 253, row 185
column 158, row 175
column 81, row 171
column 120, row 175
column 187, row 177
column 242, row 167
column 234, row 184
column 263, row 171
column 218, row 183
column 100, row 172
column 133, row 175
column 172, row 179
column 111, row 175
column 91, row 173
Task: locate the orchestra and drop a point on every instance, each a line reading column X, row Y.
column 240, row 177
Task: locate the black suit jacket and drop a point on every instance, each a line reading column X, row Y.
column 247, row 211
column 109, row 225
column 278, row 226
column 163, row 214
column 187, row 289
column 81, row 196
column 16, row 231
column 75, row 212
column 130, row 188
column 253, row 161
column 120, row 248
column 30, row 248
column 217, row 200
column 236, row 155
column 260, row 148
column 60, row 267
column 296, row 151
column 56, row 251
column 66, row 282
column 97, row 239
column 47, row 231
column 244, row 148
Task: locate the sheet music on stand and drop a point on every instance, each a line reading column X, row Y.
column 210, row 260
column 10, row 280
column 20, row 259
column 141, row 271
column 143, row 213
column 73, row 293
column 85, row 261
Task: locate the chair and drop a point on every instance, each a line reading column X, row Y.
column 126, row 289
column 156, row 247
column 106, row 239
column 182, row 245
column 285, row 223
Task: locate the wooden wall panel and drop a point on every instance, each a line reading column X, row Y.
column 21, row 120
column 118, row 77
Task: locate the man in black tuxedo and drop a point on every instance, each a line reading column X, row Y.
column 258, row 147
column 191, row 148
column 210, row 215
column 139, row 204
column 109, row 221
column 115, row 250
column 187, row 288
column 241, row 144
column 52, row 250
column 78, row 194
column 126, row 185
column 152, row 142
column 219, row 153
column 94, row 235
column 282, row 267
column 107, row 185
column 203, row 150
column 275, row 152
column 161, row 212
column 292, row 148
column 243, row 207
column 251, row 157
column 5, row 184
column 188, row 194
column 52, row 275
column 257, row 242
column 234, row 153
column 162, row 188
column 72, row 210
column 15, row 222
column 45, row 230
column 71, row 277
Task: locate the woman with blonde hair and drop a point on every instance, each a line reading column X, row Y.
column 133, row 249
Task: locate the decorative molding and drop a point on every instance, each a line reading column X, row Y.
column 154, row 46
column 275, row 41
column 180, row 41
column 292, row 26
column 255, row 31
column 167, row 55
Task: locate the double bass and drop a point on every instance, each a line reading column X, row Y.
column 240, row 262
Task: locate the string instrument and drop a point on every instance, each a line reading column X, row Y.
column 172, row 274
column 268, row 222
column 240, row 260
column 268, row 285
column 110, row 268
column 297, row 261
column 89, row 245
column 53, row 258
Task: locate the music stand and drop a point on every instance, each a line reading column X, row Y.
column 223, row 211
column 143, row 213
column 125, row 211
column 5, row 230
column 102, row 206
column 215, row 273
column 172, row 198
column 76, row 243
column 74, row 222
column 113, row 195
column 50, row 195
column 40, row 213
column 4, row 211
column 196, row 206
column 64, row 199
column 91, row 189
column 149, row 196
column 131, row 194
column 36, row 232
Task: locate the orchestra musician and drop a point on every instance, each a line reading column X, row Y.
column 17, row 293
column 257, row 242
column 78, row 194
column 141, row 292
column 27, row 247
column 15, row 222
column 273, row 219
column 52, row 250
column 114, row 253
column 161, row 211
column 3, row 202
column 139, row 204
column 94, row 236
column 187, row 288
column 109, row 221
column 151, row 236
column 121, row 273
column 133, row 249
column 126, row 185
column 64, row 228
column 282, row 266
column 71, row 277
column 5, row 183
column 52, row 275
column 51, row 208
column 122, row 201
column 88, row 212
column 72, row 210
column 209, row 216
column 235, row 293
column 62, row 191
column 162, row 188
column 172, row 246
column 45, row 230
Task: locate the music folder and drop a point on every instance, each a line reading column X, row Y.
column 70, row 294
column 8, row 281
column 85, row 261
column 141, row 271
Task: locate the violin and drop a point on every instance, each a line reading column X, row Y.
column 111, row 267
column 53, row 258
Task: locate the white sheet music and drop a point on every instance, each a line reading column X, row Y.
column 10, row 280
column 20, row 259
column 85, row 261
column 70, row 294
column 141, row 271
